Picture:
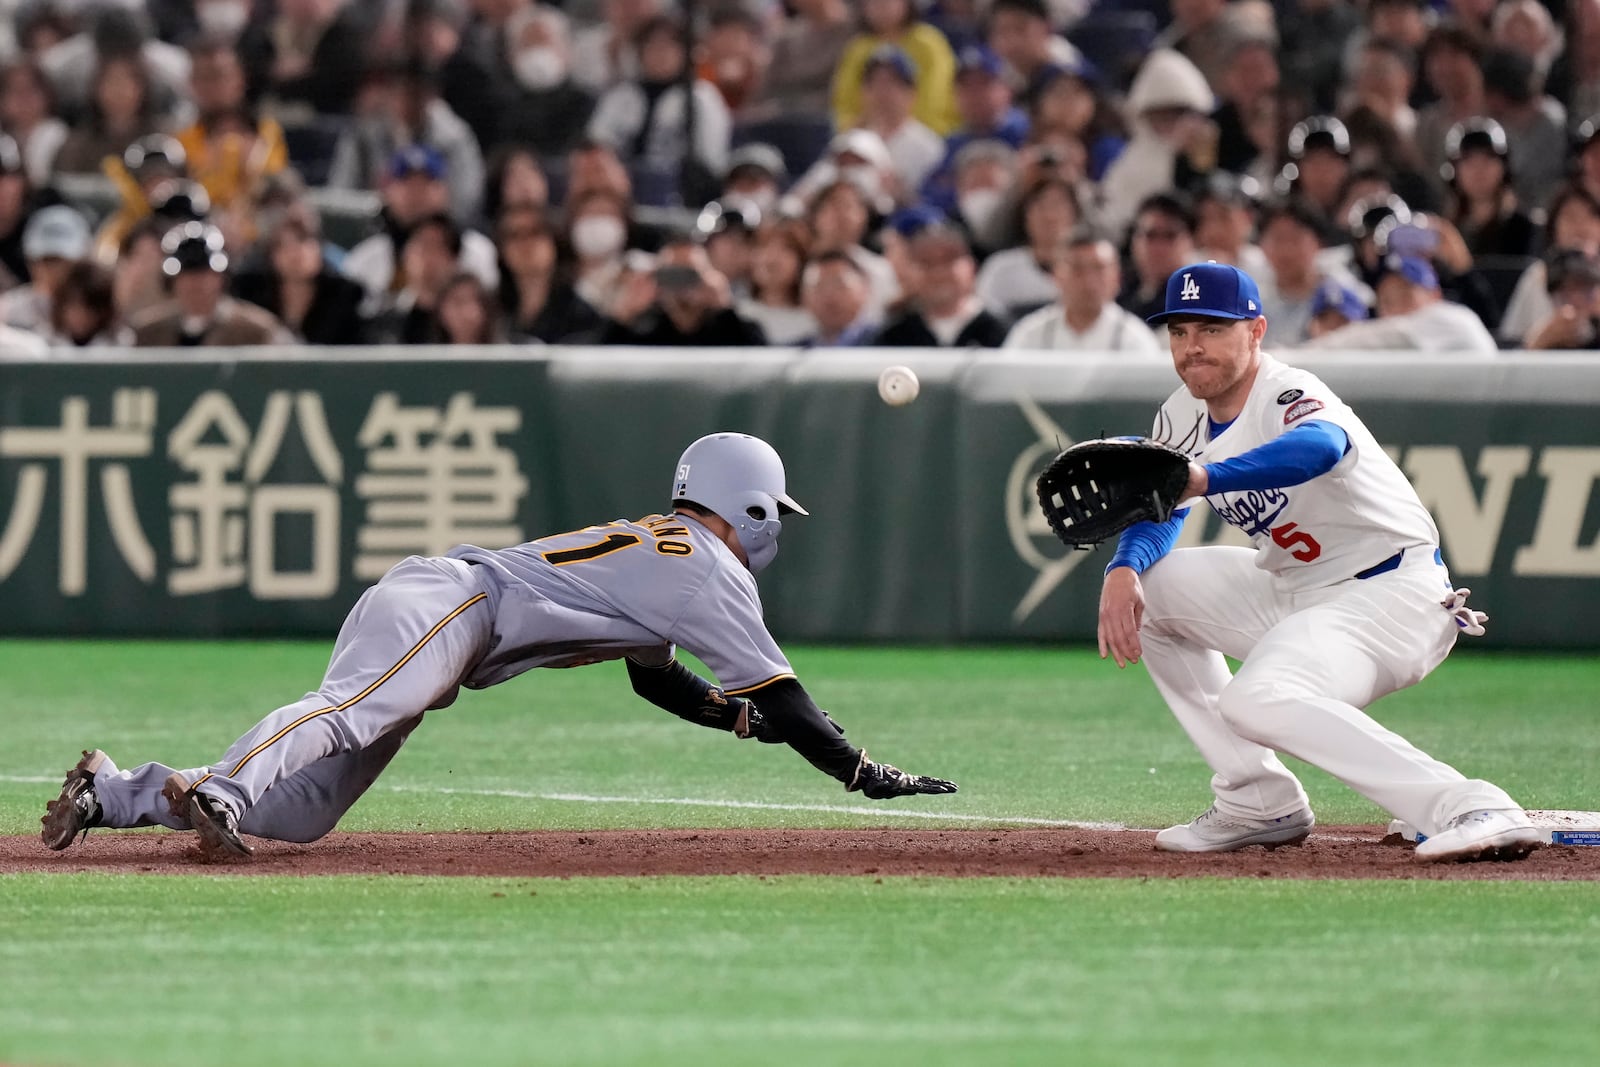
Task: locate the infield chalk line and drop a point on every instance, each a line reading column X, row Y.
column 692, row 802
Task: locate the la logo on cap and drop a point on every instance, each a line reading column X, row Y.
column 1191, row 288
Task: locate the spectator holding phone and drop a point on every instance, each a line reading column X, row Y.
column 1573, row 281
column 682, row 302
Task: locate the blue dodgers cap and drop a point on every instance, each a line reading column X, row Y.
column 417, row 159
column 1331, row 296
column 894, row 59
column 1210, row 290
column 910, row 221
column 1079, row 68
column 1413, row 269
column 978, row 57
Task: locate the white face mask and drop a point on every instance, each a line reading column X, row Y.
column 594, row 236
column 980, row 207
column 226, row 18
column 539, row 68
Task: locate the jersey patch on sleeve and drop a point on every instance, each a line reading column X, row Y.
column 1302, row 409
column 1289, row 396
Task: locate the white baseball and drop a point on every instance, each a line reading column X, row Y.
column 898, row 385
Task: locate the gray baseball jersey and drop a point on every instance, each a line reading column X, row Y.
column 633, row 588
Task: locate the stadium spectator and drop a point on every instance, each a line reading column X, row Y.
column 399, row 106
column 1375, row 148
column 644, row 120
column 199, row 312
column 1573, row 226
column 1085, row 316
column 1225, row 221
column 607, row 54
column 1022, row 37
column 299, row 57
column 120, row 112
column 84, row 311
column 731, row 54
column 15, row 343
column 1406, row 23
column 777, row 263
column 986, row 113
column 229, row 148
column 315, row 303
column 1475, row 17
column 756, row 172
column 515, row 179
column 548, row 111
column 1483, row 203
column 1413, row 316
column 1572, row 280
column 1169, row 102
column 727, row 228
column 683, row 301
column 27, row 113
column 1319, row 163
column 55, row 238
column 888, row 90
column 895, row 22
column 18, row 201
column 1577, row 71
column 1452, row 66
column 468, row 313
column 538, row 302
column 1017, row 280
column 597, row 233
column 985, row 184
column 473, row 58
column 947, row 313
column 1313, row 35
column 1535, row 125
column 859, row 156
column 1385, row 79
column 1527, row 28
column 145, row 167
column 1333, row 306
column 136, row 279
column 1069, row 106
column 430, row 255
column 592, row 165
column 1206, row 31
column 1587, row 149
column 413, row 189
column 117, row 31
column 1249, row 76
column 1162, row 241
column 835, row 290
column 805, row 52
column 840, row 218
column 895, row 239
column 1291, row 239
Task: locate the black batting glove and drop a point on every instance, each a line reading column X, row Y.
column 881, row 781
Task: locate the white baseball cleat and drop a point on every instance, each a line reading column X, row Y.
column 1216, row 832
column 1482, row 835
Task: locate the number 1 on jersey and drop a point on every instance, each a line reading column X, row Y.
column 583, row 553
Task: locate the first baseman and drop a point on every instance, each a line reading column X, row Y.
column 1343, row 597
column 477, row 617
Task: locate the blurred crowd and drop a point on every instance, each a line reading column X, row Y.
column 1396, row 174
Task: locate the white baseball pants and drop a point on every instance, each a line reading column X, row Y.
column 1310, row 662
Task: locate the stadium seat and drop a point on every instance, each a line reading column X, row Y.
column 801, row 139
column 1116, row 41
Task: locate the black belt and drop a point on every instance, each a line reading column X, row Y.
column 1393, row 562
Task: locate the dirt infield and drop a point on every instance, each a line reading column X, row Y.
column 1332, row 852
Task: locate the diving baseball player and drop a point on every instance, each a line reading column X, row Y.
column 477, row 617
column 1342, row 598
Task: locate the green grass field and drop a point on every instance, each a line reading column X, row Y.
column 98, row 969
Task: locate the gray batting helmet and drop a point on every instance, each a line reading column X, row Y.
column 738, row 478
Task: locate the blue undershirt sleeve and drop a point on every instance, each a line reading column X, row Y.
column 1310, row 449
column 1145, row 542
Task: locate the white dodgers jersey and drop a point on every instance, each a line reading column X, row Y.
column 1322, row 531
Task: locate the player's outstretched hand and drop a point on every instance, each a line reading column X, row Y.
column 1121, row 613
column 880, row 781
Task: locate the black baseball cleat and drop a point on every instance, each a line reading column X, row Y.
column 213, row 820
column 77, row 808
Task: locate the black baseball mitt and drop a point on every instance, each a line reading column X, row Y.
column 1096, row 489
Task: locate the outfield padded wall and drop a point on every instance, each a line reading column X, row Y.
column 173, row 493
